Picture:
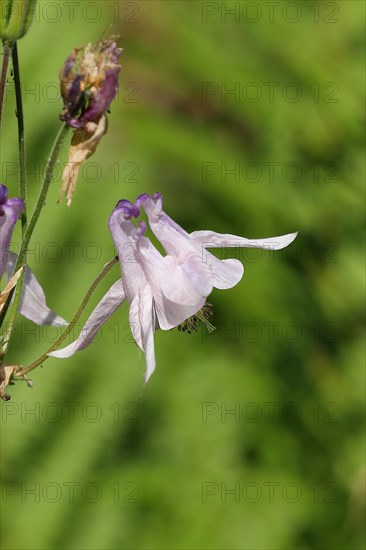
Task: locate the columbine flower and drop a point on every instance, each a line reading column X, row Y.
column 89, row 82
column 33, row 302
column 163, row 291
column 159, row 292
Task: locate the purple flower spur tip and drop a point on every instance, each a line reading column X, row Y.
column 141, row 199
column 135, row 210
column 129, row 210
column 122, row 203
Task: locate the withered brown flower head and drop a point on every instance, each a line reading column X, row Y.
column 89, row 82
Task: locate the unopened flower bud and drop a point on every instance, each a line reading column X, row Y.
column 89, row 82
column 16, row 17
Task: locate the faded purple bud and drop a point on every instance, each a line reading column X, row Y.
column 89, row 82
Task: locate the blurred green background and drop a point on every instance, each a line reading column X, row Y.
column 249, row 438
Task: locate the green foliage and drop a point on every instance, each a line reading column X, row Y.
column 287, row 352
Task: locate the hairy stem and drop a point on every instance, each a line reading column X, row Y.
column 52, row 159
column 42, row 358
column 4, row 74
column 22, row 191
column 51, row 162
column 21, row 137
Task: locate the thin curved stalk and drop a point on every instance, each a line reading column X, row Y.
column 42, row 358
column 21, row 137
column 7, row 48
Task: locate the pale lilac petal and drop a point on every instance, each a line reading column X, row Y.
column 133, row 275
column 33, row 300
column 226, row 273
column 174, row 239
column 178, row 299
column 102, row 312
column 210, row 239
column 142, row 322
column 178, row 243
column 170, row 315
column 176, row 285
column 134, row 319
column 10, row 211
column 165, row 273
column 175, row 296
column 198, row 271
column 147, row 323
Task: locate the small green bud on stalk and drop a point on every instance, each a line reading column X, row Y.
column 16, row 17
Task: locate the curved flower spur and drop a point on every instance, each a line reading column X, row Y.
column 163, row 291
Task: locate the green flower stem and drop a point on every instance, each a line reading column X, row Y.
column 24, row 371
column 21, row 138
column 4, row 74
column 22, row 192
column 52, row 159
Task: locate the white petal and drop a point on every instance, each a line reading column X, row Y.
column 133, row 275
column 227, row 273
column 176, row 285
column 146, row 315
column 10, row 212
column 172, row 236
column 134, row 319
column 210, row 239
column 107, row 305
column 176, row 302
column 171, row 315
column 198, row 271
column 33, row 301
column 175, row 296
